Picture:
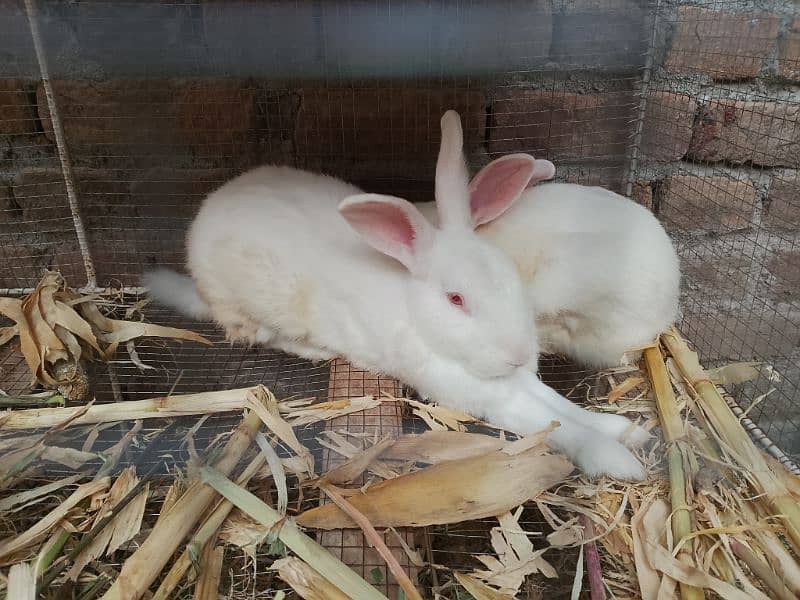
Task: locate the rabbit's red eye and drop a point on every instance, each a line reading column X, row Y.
column 456, row 299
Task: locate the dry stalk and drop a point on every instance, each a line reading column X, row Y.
column 673, row 429
column 771, row 488
column 144, row 565
column 762, row 570
column 594, row 569
column 201, row 538
column 307, row 582
column 290, row 534
column 376, row 541
column 153, row 408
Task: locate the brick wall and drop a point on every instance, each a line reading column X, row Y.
column 719, row 157
column 151, row 130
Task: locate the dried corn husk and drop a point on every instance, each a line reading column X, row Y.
column 54, row 337
column 737, row 443
column 307, row 582
column 451, row 492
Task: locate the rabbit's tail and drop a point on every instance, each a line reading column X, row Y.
column 176, row 291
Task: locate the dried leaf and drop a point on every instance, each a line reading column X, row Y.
column 306, row 548
column 357, row 464
column 479, row 590
column 516, row 558
column 648, row 525
column 278, row 474
column 31, row 535
column 210, row 573
column 623, row 388
column 122, row 527
column 450, row 492
column 28, row 497
column 324, row 411
column 307, row 582
column 337, row 443
column 134, row 356
column 50, row 328
column 577, row 582
column 21, row 582
column 439, row 417
column 433, row 447
column 153, row 408
column 69, row 457
column 243, row 532
column 8, row 333
column 123, row 331
column 257, row 400
column 734, row 373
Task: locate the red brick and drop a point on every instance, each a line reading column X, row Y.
column 642, row 193
column 9, row 211
column 715, row 276
column 159, row 121
column 727, row 46
column 563, row 125
column 789, row 52
column 762, row 133
column 41, row 195
column 381, row 131
column 785, row 268
column 743, row 336
column 783, row 208
column 668, row 122
column 713, row 203
column 17, row 110
column 22, row 263
column 605, row 174
column 135, row 223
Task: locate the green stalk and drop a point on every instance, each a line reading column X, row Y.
column 672, row 426
column 330, row 567
column 771, row 489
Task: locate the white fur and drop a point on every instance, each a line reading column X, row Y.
column 601, row 273
column 277, row 262
column 177, row 292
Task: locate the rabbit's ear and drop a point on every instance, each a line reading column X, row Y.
column 498, row 185
column 390, row 225
column 452, row 178
column 542, row 171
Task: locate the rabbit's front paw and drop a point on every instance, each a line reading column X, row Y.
column 620, row 428
column 605, row 456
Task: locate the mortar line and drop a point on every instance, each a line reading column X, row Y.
column 61, row 146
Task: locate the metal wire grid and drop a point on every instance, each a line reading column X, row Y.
column 145, row 152
column 226, row 367
column 146, row 147
column 730, row 205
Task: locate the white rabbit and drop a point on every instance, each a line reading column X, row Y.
column 601, row 272
column 288, row 259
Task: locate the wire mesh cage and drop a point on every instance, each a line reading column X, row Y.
column 117, row 118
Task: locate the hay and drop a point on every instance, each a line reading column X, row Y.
column 717, row 515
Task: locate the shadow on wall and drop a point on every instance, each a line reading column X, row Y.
column 321, row 39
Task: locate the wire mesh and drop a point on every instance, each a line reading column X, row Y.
column 721, row 150
column 693, row 108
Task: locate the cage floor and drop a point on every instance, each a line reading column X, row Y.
column 189, row 368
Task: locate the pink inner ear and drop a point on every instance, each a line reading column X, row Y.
column 385, row 226
column 385, row 221
column 495, row 188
